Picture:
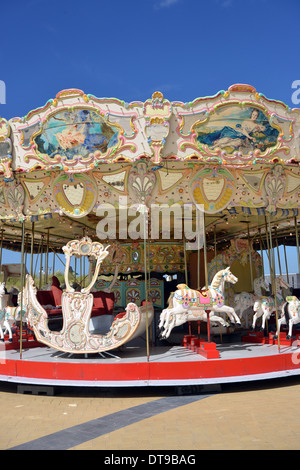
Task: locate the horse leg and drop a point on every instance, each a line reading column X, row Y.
column 266, row 315
column 245, row 313
column 8, row 328
column 162, row 318
column 168, row 327
column 164, row 322
column 256, row 315
column 223, row 309
column 236, row 318
column 218, row 319
column 280, row 322
column 291, row 323
column 173, row 320
column 230, row 312
column 1, row 334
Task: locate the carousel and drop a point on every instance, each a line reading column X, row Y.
column 166, row 209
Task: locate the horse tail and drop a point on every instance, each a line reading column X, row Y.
column 169, row 301
column 286, row 312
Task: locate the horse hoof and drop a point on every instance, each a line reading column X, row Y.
column 275, row 336
column 10, row 340
column 2, row 339
column 288, row 337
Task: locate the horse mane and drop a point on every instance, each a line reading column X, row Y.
column 182, row 286
column 217, row 279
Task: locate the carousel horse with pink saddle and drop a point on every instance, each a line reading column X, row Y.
column 187, row 304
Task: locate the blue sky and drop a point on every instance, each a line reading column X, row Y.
column 129, row 49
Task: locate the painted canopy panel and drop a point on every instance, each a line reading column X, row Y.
column 238, row 129
column 77, row 132
column 71, row 133
column 78, row 153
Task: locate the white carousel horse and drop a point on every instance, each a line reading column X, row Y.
column 245, row 300
column 4, row 316
column 290, row 315
column 265, row 306
column 189, row 305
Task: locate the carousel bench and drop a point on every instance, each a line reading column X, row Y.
column 103, row 302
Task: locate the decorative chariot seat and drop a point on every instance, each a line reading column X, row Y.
column 77, row 309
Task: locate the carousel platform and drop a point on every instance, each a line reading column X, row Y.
column 173, row 365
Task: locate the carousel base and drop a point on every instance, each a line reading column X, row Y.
column 175, row 365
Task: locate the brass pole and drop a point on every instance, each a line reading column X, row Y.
column 268, row 245
column 146, row 287
column 250, row 258
column 32, row 246
column 41, row 262
column 25, row 252
column 205, row 253
column 215, row 244
column 286, row 266
column 37, row 258
column 272, row 268
column 80, row 268
column 206, row 273
column 278, row 255
column 269, row 258
column 297, row 242
column 1, row 254
column 53, row 266
column 84, row 276
column 149, row 288
column 185, row 261
column 22, row 286
column 198, row 266
column 47, row 256
column 261, row 253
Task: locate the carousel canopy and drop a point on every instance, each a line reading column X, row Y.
column 236, row 153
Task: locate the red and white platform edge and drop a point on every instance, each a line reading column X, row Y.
column 192, row 363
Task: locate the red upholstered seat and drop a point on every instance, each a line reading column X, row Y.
column 110, row 302
column 45, row 297
column 55, row 281
column 57, row 293
column 105, row 301
column 54, row 312
column 120, row 315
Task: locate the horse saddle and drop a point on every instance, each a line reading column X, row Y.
column 193, row 298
